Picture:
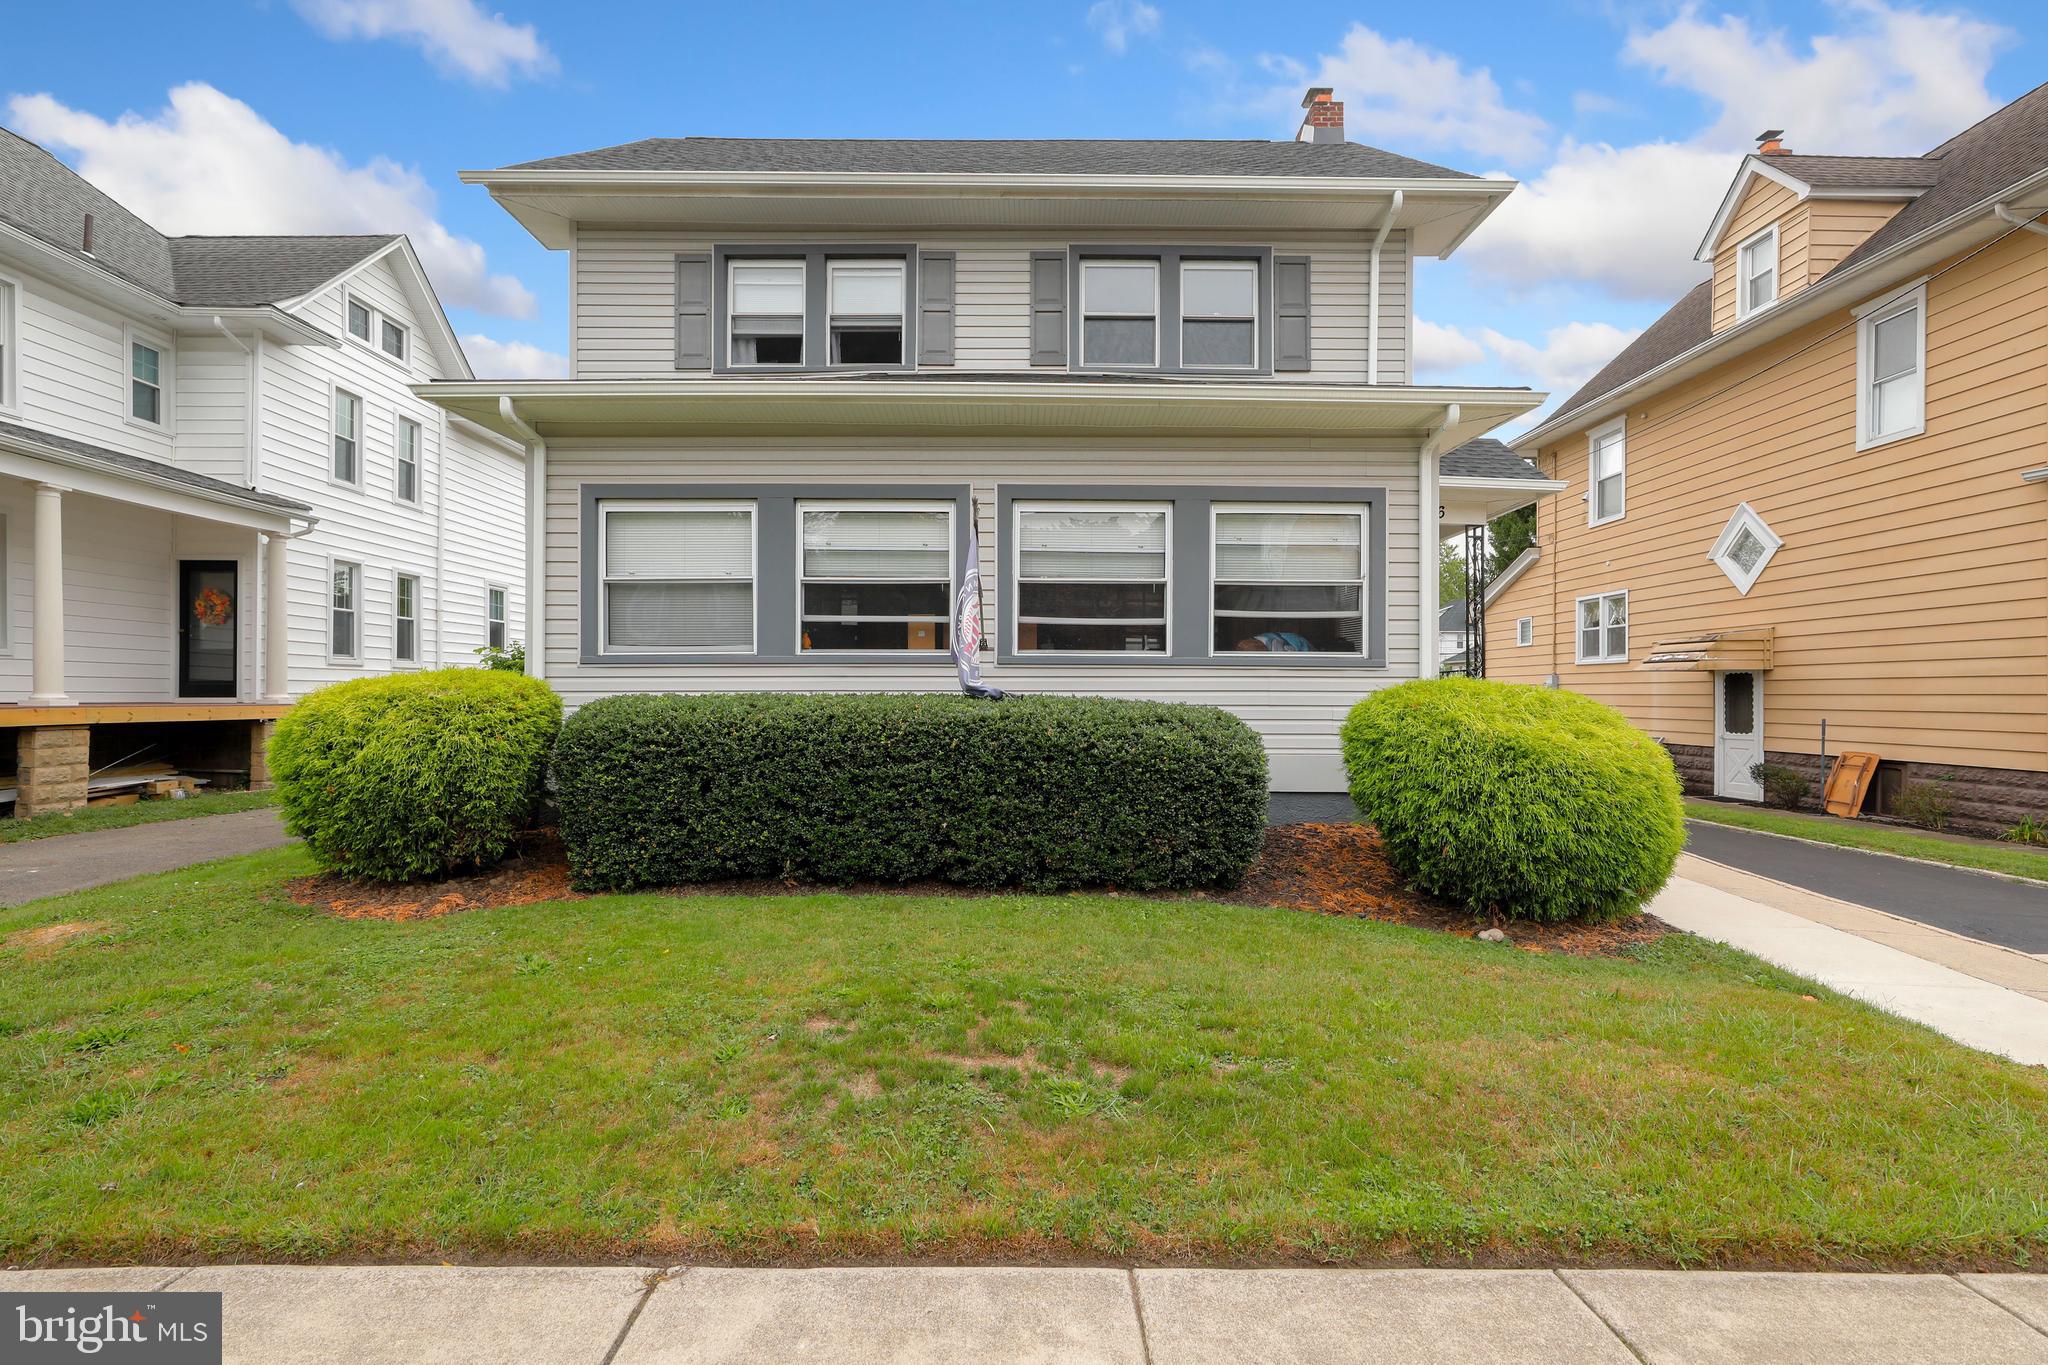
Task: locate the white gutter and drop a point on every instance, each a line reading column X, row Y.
column 1431, row 511
column 1372, row 291
column 511, row 180
column 536, row 527
column 2005, row 214
column 58, row 455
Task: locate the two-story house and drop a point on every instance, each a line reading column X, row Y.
column 1168, row 382
column 217, row 488
column 1805, row 509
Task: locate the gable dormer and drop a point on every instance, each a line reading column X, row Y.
column 1787, row 220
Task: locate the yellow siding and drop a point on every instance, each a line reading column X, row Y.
column 1836, row 227
column 1763, row 203
column 1908, row 599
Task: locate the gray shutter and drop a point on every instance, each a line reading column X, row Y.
column 1048, row 307
column 693, row 312
column 1290, row 312
column 935, row 271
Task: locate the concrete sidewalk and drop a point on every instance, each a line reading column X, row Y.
column 369, row 1315
column 35, row 868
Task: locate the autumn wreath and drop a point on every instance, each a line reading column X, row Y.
column 212, row 607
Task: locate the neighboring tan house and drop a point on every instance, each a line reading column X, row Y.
column 1168, row 382
column 217, row 489
column 1818, row 514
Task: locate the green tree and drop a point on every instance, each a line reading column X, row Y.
column 1507, row 536
column 1450, row 573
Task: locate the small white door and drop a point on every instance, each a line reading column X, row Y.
column 1738, row 734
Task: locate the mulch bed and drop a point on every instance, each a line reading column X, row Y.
column 1328, row 869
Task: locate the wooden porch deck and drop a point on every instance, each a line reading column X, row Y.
column 18, row 716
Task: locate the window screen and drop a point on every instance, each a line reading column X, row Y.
column 866, row 307
column 1120, row 312
column 1219, row 312
column 767, row 312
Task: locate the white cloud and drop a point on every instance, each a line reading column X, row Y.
column 1119, row 21
column 1440, row 349
column 1567, row 358
column 457, row 36
column 1399, row 94
column 1586, row 103
column 493, row 359
column 210, row 164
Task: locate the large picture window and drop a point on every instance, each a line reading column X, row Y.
column 876, row 577
column 1290, row 580
column 1092, row 578
column 678, row 577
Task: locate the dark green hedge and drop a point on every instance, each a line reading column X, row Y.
column 416, row 774
column 1039, row 792
column 1517, row 800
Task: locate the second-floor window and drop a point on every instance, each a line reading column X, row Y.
column 1756, row 270
column 348, row 438
column 7, row 399
column 866, row 303
column 407, row 480
column 1891, row 370
column 1120, row 313
column 145, row 383
column 767, row 305
column 1219, row 314
column 1607, row 473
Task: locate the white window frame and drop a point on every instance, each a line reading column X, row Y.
column 10, row 343
column 856, row 505
column 404, row 355
column 1578, row 635
column 374, row 342
column 1744, row 518
column 501, row 595
column 1016, row 577
column 355, row 608
column 1743, row 307
column 419, row 441
column 1867, row 318
column 350, row 302
column 833, row 264
column 1525, row 631
column 804, row 357
column 1595, row 514
column 166, row 363
column 1359, row 510
column 606, row 507
column 1199, row 263
column 334, row 396
column 1158, row 269
column 398, row 579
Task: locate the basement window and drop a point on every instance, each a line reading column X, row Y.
column 1745, row 547
column 866, row 303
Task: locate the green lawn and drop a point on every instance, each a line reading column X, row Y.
column 141, row 813
column 217, row 1073
column 2016, row 860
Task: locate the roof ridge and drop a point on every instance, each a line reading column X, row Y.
column 1941, row 148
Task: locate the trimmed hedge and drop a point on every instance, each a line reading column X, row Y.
column 1040, row 792
column 1513, row 799
column 417, row 774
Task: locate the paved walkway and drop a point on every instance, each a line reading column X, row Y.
column 1997, row 910
column 370, row 1315
column 73, row 862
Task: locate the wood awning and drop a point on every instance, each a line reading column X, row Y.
column 1716, row 651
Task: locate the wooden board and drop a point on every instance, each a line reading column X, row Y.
column 1848, row 782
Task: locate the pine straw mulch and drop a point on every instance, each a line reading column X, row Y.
column 1328, row 869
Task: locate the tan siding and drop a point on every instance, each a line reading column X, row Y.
column 1838, row 226
column 1765, row 202
column 1907, row 601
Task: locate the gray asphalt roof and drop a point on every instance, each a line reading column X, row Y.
column 1031, row 156
column 48, row 200
column 1452, row 615
column 120, row 462
column 1974, row 165
column 1486, row 458
column 1859, row 172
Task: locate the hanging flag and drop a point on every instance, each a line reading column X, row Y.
column 967, row 619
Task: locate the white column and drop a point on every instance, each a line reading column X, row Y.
column 277, row 635
column 47, row 667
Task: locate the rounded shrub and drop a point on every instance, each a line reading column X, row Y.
column 1040, row 792
column 414, row 775
column 1515, row 800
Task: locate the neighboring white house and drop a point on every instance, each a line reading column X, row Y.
column 200, row 436
column 1170, row 383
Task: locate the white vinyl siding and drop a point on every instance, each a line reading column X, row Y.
column 678, row 577
column 1289, row 580
column 1602, row 628
column 1891, row 370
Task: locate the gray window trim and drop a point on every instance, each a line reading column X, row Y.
column 1170, row 258
column 1191, row 559
column 817, row 325
column 775, row 569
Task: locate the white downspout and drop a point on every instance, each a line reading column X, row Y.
column 536, row 526
column 1432, row 511
column 1372, row 292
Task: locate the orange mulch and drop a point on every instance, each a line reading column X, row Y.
column 1329, row 869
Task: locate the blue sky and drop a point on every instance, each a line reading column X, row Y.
column 1624, row 122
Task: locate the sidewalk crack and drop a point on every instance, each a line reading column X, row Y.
column 1138, row 1306
column 654, row 1281
column 2003, row 1307
column 1619, row 1335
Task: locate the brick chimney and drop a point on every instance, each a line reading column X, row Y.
column 1770, row 143
column 1324, row 121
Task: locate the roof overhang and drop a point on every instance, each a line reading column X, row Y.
column 1715, row 651
column 1471, row 501
column 1438, row 214
column 23, row 459
column 1755, row 167
column 561, row 409
column 1864, row 281
column 425, row 302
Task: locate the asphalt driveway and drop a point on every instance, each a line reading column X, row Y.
column 72, row 862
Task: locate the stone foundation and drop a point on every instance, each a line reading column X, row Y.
column 1986, row 800
column 260, row 734
column 51, row 762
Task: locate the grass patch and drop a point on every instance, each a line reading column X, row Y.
column 141, row 813
column 214, row 1072
column 2014, row 860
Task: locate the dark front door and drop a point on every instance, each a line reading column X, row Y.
column 208, row 599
